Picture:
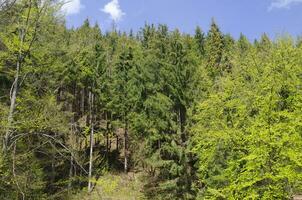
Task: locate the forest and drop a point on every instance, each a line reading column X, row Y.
column 184, row 116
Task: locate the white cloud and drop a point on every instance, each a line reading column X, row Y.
column 71, row 6
column 113, row 9
column 283, row 3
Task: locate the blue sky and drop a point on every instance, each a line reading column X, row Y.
column 251, row 17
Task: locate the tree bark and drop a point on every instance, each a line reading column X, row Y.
column 83, row 102
column 117, row 141
column 91, row 142
column 13, row 98
column 107, row 135
column 70, row 173
column 182, row 122
column 126, row 147
column 71, row 154
column 14, row 171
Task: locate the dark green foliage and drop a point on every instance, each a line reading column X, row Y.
column 200, row 40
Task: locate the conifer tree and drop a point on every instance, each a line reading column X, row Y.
column 200, row 40
column 214, row 49
column 125, row 93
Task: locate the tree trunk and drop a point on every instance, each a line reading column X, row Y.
column 13, row 98
column 82, row 101
column 126, row 147
column 182, row 122
column 91, row 142
column 14, row 172
column 14, row 91
column 107, row 135
column 117, row 140
column 70, row 173
column 71, row 154
column 53, row 171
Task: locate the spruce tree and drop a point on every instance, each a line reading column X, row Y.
column 200, row 40
column 214, row 50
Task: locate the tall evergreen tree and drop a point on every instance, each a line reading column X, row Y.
column 200, row 40
column 214, row 49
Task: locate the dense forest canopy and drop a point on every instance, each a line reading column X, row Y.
column 199, row 116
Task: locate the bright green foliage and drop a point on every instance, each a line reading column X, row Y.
column 248, row 133
column 243, row 45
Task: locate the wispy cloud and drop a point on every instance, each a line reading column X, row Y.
column 71, row 7
column 283, row 4
column 113, row 9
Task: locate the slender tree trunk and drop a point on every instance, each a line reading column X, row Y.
column 107, row 143
column 13, row 98
column 91, row 142
column 14, row 91
column 70, row 172
column 14, row 171
column 82, row 101
column 71, row 154
column 126, row 147
column 182, row 122
column 53, row 171
column 107, row 135
column 117, row 141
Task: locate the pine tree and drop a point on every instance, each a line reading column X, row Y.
column 200, row 40
column 214, row 50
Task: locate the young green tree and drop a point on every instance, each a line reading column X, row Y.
column 19, row 39
column 247, row 134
